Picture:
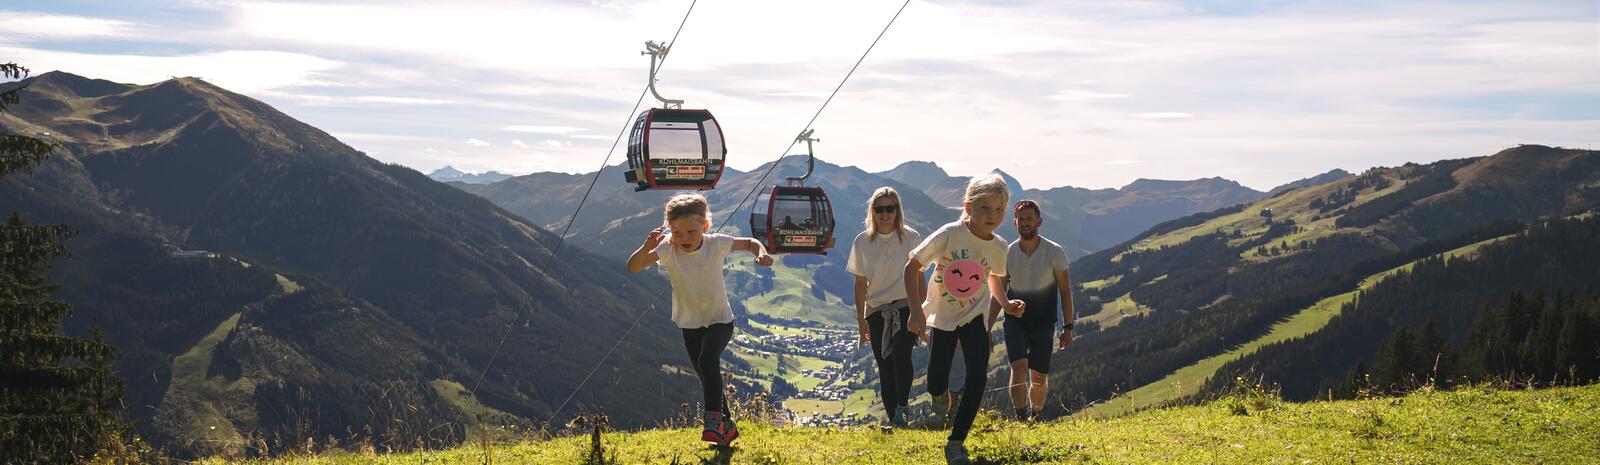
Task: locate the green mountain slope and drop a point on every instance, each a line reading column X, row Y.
column 1204, row 285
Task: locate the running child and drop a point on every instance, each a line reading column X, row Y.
column 694, row 260
column 970, row 264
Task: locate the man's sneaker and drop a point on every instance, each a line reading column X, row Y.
column 901, row 417
column 729, row 431
column 955, row 453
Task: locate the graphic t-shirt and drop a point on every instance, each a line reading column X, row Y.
column 959, row 289
column 882, row 260
column 1033, row 281
column 699, row 298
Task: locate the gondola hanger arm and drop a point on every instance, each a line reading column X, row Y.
column 811, row 157
column 658, row 53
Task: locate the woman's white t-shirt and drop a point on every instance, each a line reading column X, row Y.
column 959, row 290
column 882, row 261
column 699, row 297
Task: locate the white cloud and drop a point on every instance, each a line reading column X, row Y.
column 478, row 143
column 245, row 71
column 519, row 143
column 32, row 25
column 364, row 136
column 543, row 129
column 352, row 100
column 1164, row 115
column 1078, row 94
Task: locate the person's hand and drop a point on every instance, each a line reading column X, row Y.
column 764, row 260
column 1015, row 307
column 861, row 323
column 656, row 236
column 1066, row 338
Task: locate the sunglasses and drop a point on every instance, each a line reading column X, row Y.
column 885, row 209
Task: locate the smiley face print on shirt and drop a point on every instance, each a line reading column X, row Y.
column 963, row 277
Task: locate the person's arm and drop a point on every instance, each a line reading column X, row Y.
column 1064, row 286
column 755, row 248
column 646, row 255
column 997, row 290
column 861, row 307
column 917, row 321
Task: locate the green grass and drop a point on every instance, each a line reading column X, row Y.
column 1112, row 313
column 198, row 399
column 1470, row 426
column 459, row 396
column 285, row 285
column 863, row 402
column 1101, row 283
column 791, row 297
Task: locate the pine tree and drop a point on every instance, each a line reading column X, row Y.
column 1437, row 364
column 1391, row 367
column 59, row 397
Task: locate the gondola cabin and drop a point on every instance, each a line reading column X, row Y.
column 675, row 149
column 793, row 219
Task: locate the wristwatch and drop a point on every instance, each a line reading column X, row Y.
column 1067, row 326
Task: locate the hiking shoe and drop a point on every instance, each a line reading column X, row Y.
column 713, row 430
column 955, row 453
column 941, row 410
column 901, row 417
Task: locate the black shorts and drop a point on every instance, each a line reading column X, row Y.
column 1034, row 345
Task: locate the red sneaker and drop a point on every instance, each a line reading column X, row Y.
column 729, row 431
column 713, row 430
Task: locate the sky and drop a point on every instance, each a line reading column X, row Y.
column 1083, row 93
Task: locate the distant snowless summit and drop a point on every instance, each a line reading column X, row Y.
column 451, row 174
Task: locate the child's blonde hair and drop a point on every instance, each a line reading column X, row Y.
column 982, row 188
column 887, row 192
column 683, row 205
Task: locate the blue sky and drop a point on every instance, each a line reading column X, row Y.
column 1083, row 93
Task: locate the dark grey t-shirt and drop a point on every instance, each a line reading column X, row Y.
column 1033, row 281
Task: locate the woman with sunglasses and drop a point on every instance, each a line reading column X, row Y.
column 877, row 259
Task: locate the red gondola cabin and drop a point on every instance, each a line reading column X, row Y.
column 793, row 219
column 675, row 149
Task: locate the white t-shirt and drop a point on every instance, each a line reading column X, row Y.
column 882, row 260
column 699, row 298
column 959, row 290
column 1033, row 281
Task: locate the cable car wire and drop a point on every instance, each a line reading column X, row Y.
column 627, row 123
column 736, row 209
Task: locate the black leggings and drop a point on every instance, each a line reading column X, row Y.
column 975, row 350
column 705, row 347
column 894, row 373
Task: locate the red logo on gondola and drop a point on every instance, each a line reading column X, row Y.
column 686, row 171
column 801, row 241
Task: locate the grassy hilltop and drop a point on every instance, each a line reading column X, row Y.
column 1475, row 425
